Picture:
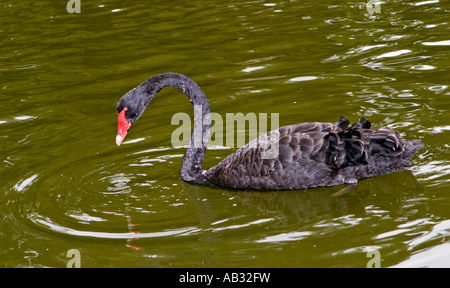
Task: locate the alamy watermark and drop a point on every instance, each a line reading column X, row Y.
column 257, row 126
column 73, row 6
column 373, row 6
column 375, row 262
column 75, row 258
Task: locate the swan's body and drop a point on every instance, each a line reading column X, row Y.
column 308, row 155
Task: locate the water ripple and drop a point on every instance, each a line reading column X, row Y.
column 52, row 226
column 103, row 202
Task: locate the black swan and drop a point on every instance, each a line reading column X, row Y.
column 309, row 155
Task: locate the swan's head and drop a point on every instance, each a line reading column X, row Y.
column 129, row 109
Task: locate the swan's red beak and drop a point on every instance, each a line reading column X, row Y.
column 122, row 128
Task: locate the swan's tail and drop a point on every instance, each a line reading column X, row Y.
column 356, row 144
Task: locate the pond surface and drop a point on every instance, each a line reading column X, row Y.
column 66, row 185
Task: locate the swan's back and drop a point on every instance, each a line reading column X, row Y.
column 314, row 154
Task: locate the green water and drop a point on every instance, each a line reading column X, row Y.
column 66, row 185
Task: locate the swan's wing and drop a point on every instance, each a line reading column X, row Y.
column 280, row 159
column 295, row 142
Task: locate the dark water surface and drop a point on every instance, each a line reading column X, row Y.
column 66, row 185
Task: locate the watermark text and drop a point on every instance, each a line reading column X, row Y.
column 235, row 125
column 376, row 259
column 373, row 6
column 75, row 261
column 73, row 6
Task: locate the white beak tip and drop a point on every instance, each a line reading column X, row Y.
column 119, row 140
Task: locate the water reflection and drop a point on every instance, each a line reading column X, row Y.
column 435, row 257
column 24, row 183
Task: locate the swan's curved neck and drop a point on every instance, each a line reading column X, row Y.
column 191, row 169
